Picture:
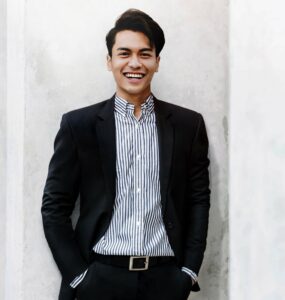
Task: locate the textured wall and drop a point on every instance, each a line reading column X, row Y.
column 65, row 69
column 15, row 126
column 3, row 74
column 257, row 150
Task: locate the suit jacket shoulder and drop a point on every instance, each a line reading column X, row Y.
column 106, row 106
column 87, row 113
column 181, row 117
column 176, row 109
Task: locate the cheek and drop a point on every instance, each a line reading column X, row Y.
column 117, row 71
column 152, row 67
column 151, row 73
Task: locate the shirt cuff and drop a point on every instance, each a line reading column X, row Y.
column 192, row 274
column 78, row 279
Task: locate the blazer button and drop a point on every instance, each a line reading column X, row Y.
column 170, row 225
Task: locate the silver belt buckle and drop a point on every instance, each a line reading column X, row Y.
column 146, row 262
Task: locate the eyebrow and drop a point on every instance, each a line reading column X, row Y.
column 127, row 49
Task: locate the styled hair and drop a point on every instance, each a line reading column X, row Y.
column 137, row 20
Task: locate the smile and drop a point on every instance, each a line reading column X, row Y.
column 134, row 75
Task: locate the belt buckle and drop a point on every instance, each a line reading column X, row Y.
column 132, row 258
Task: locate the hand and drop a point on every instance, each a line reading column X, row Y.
column 187, row 284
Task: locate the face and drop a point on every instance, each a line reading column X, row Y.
column 133, row 64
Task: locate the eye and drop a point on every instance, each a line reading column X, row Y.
column 145, row 54
column 123, row 54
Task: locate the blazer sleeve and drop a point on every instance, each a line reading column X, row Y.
column 60, row 193
column 199, row 200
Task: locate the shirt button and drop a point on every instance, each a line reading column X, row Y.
column 138, row 190
column 138, row 156
column 138, row 223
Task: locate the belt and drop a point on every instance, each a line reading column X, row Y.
column 133, row 263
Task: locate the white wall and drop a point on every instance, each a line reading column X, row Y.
column 14, row 156
column 2, row 142
column 64, row 68
column 257, row 150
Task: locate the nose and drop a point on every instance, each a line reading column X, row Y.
column 134, row 62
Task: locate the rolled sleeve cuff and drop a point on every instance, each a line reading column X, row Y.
column 192, row 274
column 78, row 279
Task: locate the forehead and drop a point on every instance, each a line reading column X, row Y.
column 131, row 39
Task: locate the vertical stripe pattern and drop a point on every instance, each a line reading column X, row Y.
column 136, row 227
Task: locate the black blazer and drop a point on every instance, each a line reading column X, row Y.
column 84, row 163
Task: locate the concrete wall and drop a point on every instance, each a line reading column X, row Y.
column 257, row 150
column 3, row 75
column 15, row 123
column 61, row 44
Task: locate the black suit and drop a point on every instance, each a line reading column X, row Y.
column 84, row 163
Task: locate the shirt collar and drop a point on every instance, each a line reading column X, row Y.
column 123, row 107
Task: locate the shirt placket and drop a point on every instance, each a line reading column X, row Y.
column 138, row 184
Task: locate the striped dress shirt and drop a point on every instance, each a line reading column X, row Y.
column 136, row 227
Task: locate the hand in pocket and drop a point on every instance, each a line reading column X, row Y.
column 84, row 287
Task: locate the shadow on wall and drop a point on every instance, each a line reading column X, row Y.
column 214, row 272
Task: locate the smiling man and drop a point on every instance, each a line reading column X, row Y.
column 140, row 167
column 133, row 62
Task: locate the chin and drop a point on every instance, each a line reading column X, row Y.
column 134, row 92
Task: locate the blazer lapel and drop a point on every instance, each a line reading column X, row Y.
column 106, row 132
column 165, row 141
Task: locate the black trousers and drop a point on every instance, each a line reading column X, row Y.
column 161, row 282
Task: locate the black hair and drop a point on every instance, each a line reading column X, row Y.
column 137, row 20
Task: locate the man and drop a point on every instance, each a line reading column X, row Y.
column 140, row 167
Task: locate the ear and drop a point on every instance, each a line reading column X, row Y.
column 157, row 63
column 109, row 62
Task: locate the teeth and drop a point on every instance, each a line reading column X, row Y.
column 131, row 75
